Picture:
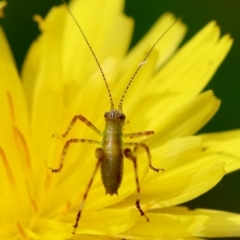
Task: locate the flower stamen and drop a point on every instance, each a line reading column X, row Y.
column 21, row 231
column 65, row 209
column 8, row 170
column 11, row 107
column 24, row 145
column 32, row 200
column 47, row 181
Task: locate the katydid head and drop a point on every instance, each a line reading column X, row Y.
column 115, row 116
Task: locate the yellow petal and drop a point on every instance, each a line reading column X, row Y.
column 170, row 189
column 219, row 224
column 225, row 143
column 166, row 226
column 185, row 121
column 12, row 97
column 195, row 63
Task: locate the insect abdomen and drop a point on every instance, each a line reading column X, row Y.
column 112, row 168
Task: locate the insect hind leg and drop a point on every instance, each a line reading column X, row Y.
column 99, row 155
column 129, row 154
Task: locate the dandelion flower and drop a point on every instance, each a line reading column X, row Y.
column 60, row 79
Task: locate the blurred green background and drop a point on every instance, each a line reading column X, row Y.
column 21, row 31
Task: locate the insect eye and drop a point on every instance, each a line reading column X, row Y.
column 106, row 114
column 122, row 116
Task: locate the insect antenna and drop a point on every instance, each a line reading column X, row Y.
column 150, row 51
column 93, row 54
column 144, row 61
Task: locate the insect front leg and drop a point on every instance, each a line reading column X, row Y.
column 84, row 120
column 65, row 149
column 99, row 155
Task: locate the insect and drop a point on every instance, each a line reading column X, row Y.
column 113, row 149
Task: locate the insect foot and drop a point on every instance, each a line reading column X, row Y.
column 157, row 169
column 56, row 170
column 56, row 135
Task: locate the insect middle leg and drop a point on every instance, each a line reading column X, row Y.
column 138, row 134
column 143, row 145
column 65, row 149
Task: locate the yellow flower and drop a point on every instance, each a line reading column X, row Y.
column 61, row 80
